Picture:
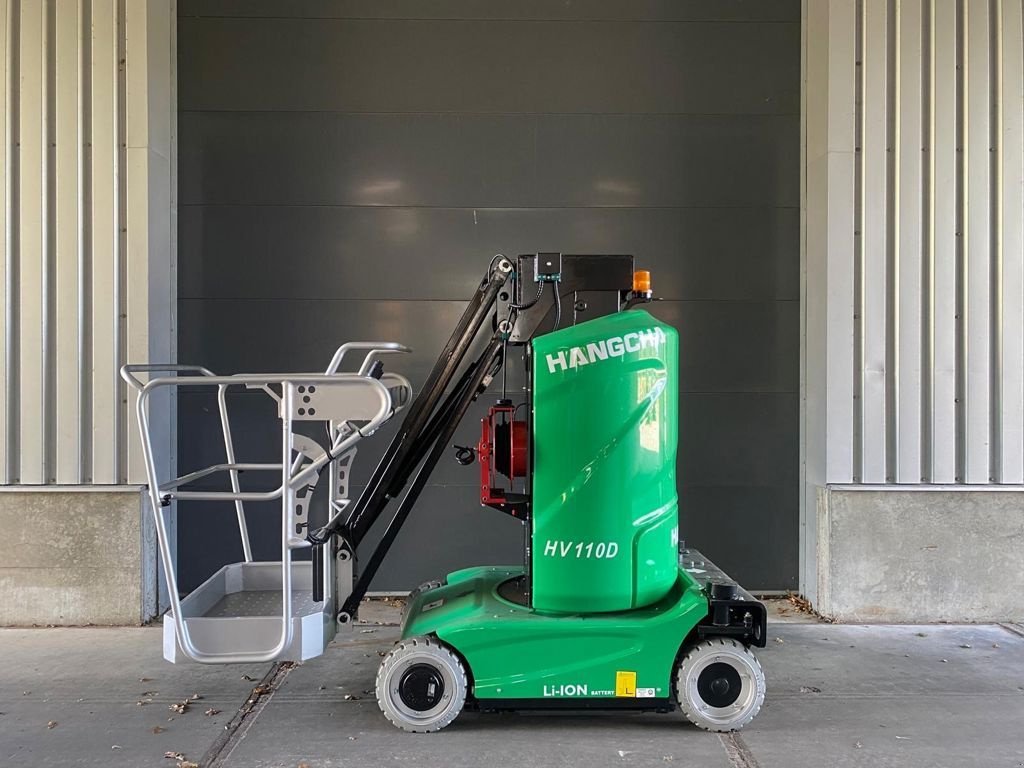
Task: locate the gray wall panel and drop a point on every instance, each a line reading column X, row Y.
column 738, row 469
column 325, row 252
column 256, row 431
column 490, row 66
column 735, row 346
column 686, row 160
column 346, row 173
column 719, row 520
column 738, row 439
column 258, row 158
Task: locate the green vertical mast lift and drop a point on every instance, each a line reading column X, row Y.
column 606, row 610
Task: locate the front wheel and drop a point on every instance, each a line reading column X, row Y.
column 421, row 685
column 719, row 685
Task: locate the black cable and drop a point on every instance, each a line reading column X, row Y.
column 490, row 266
column 331, row 454
column 558, row 308
column 527, row 305
column 504, row 369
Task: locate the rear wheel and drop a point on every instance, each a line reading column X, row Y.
column 421, row 685
column 719, row 684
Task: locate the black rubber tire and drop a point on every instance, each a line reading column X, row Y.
column 719, row 650
column 419, row 651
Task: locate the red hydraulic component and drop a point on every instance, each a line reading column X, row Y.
column 502, row 451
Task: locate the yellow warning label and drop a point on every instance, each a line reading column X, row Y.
column 625, row 684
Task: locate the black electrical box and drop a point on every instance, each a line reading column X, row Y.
column 588, row 285
column 547, row 267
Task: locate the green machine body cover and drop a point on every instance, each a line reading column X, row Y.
column 605, row 431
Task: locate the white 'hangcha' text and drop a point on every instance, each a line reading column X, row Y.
column 616, row 346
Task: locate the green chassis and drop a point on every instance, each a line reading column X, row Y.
column 515, row 655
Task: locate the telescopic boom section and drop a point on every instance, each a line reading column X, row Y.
column 430, row 422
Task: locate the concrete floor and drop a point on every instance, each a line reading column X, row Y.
column 934, row 695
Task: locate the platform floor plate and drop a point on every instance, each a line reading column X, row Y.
column 262, row 602
column 238, row 610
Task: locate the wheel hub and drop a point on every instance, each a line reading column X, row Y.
column 421, row 687
column 719, row 685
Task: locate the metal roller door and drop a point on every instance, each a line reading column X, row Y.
column 346, row 169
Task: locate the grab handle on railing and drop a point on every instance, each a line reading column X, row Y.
column 376, row 349
column 128, row 370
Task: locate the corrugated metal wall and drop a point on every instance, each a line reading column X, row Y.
column 939, row 231
column 85, row 146
column 915, row 235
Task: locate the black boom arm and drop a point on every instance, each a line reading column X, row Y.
column 429, row 424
